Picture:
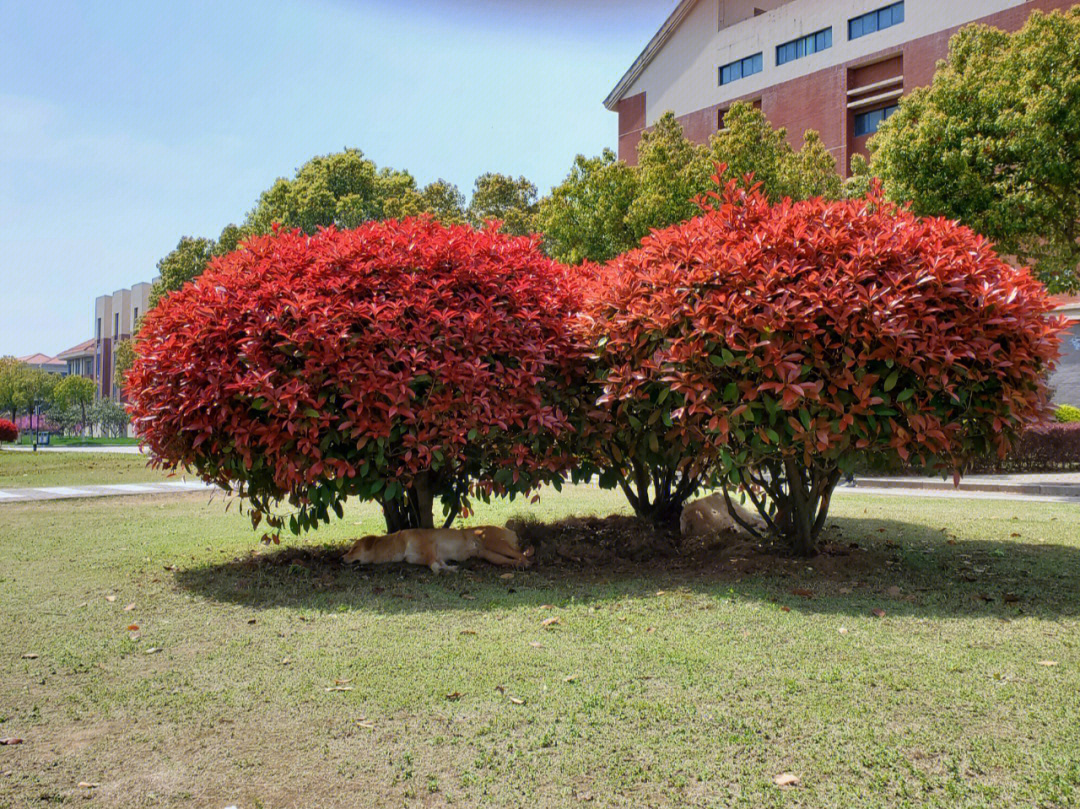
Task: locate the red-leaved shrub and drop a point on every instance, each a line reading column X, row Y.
column 770, row 345
column 399, row 362
column 1042, row 448
column 8, row 431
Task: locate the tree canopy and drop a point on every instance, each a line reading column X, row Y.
column 605, row 207
column 512, row 202
column 994, row 141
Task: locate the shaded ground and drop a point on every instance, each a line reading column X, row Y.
column 284, row 679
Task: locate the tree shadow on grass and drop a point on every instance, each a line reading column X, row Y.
column 904, row 568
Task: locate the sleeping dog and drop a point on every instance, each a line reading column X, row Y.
column 435, row 547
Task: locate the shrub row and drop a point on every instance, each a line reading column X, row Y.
column 1043, row 448
column 766, row 347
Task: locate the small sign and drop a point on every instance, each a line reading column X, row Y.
column 43, row 438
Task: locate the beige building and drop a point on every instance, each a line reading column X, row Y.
column 115, row 317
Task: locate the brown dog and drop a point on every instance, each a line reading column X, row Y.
column 434, row 547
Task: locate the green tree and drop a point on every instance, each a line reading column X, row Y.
column 11, row 373
column 994, row 141
column 513, row 202
column 110, row 416
column 444, row 201
column 671, row 172
column 344, row 189
column 75, row 392
column 858, row 183
column 184, row 263
column 751, row 145
column 814, row 171
column 585, row 217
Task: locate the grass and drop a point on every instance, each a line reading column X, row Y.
column 31, row 469
column 657, row 687
column 27, row 438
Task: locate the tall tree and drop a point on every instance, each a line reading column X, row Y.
column 585, row 217
column 443, row 201
column 184, row 263
column 75, row 391
column 343, row 189
column 994, row 141
column 11, row 372
column 513, row 202
column 671, row 172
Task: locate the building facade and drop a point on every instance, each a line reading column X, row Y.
column 114, row 321
column 836, row 66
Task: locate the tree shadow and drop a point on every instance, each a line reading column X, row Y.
column 903, row 568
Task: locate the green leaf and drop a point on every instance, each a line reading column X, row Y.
column 905, row 395
column 890, row 381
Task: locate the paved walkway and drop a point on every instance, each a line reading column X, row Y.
column 1057, row 485
column 110, row 490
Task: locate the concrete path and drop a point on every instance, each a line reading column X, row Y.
column 125, row 449
column 1064, row 485
column 111, row 490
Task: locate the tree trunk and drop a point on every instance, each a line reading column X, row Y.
column 414, row 510
column 803, row 504
column 657, row 495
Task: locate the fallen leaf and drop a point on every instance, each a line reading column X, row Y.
column 88, row 785
column 343, row 682
column 467, row 632
column 551, row 621
column 516, row 701
column 153, row 650
column 650, row 629
column 1014, row 534
column 501, row 689
column 1047, row 662
column 454, row 696
column 803, row 592
column 877, row 612
column 894, row 591
column 785, row 609
column 129, row 607
column 842, row 630
column 133, row 627
column 170, row 567
column 251, row 620
column 30, row 656
column 585, row 797
column 661, row 592
column 110, row 599
column 11, row 740
column 364, row 724
column 546, row 607
column 786, row 779
column 569, row 678
column 340, row 688
column 286, row 661
column 507, row 576
column 536, row 644
column 845, row 591
column 468, row 597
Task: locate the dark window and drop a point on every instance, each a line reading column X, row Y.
column 136, row 317
column 741, row 68
column 804, row 46
column 116, row 330
column 875, row 20
column 867, row 123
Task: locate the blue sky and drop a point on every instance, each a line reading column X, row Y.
column 126, row 125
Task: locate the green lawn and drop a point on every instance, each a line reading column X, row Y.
column 27, row 437
column 689, row 685
column 21, row 469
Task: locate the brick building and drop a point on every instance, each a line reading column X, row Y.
column 837, row 66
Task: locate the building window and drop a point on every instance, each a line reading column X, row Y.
column 872, row 21
column 867, row 123
column 116, row 327
column 804, row 46
column 99, row 328
column 741, row 68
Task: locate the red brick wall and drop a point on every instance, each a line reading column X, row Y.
column 819, row 100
